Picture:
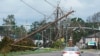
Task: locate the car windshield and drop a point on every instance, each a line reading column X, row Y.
column 71, row 49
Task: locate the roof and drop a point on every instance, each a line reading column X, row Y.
column 96, row 35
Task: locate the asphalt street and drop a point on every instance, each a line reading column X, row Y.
column 58, row 53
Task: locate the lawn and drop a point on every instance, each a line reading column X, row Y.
column 44, row 50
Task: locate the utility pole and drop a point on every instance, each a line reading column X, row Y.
column 44, row 27
column 42, row 37
column 58, row 13
column 59, row 25
column 56, row 24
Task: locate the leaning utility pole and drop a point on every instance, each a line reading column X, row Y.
column 44, row 27
column 58, row 26
column 58, row 29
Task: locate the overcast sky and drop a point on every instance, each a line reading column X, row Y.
column 23, row 13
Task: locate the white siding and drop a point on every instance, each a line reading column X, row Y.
column 1, row 37
column 91, row 39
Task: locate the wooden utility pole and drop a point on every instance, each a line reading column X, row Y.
column 58, row 25
column 57, row 13
column 44, row 27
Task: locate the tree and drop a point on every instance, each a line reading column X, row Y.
column 76, row 33
column 94, row 20
column 75, row 22
column 20, row 31
column 9, row 25
column 57, row 44
column 35, row 25
column 11, row 29
column 2, row 30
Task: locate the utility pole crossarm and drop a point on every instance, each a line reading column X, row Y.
column 44, row 27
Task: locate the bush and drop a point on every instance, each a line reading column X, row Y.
column 57, row 44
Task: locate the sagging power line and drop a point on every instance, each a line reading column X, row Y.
column 33, row 8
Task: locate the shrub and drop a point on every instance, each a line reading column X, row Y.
column 57, row 44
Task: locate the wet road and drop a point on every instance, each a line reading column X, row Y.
column 58, row 53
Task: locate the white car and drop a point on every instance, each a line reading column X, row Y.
column 71, row 51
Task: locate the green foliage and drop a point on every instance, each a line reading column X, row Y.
column 76, row 37
column 9, row 24
column 77, row 21
column 9, row 28
column 35, row 25
column 92, row 24
column 38, row 36
column 78, row 32
column 2, row 30
column 10, row 20
column 20, row 31
column 57, row 44
column 18, row 53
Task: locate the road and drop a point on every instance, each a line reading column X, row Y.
column 58, row 53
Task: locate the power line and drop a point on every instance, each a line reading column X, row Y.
column 51, row 14
column 33, row 8
column 50, row 3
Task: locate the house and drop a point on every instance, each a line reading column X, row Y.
column 92, row 40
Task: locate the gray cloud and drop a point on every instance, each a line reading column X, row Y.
column 83, row 8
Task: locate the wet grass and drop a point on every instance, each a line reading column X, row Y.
column 44, row 50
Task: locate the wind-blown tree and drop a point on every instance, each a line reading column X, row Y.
column 25, row 44
column 5, row 45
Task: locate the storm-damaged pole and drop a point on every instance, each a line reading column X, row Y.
column 44, row 27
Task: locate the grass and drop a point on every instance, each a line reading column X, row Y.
column 44, row 50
